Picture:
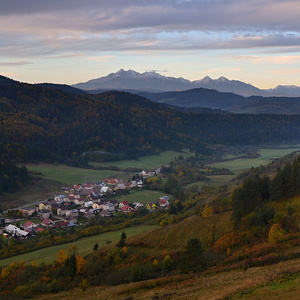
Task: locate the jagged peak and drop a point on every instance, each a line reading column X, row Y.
column 206, row 79
column 222, row 79
column 129, row 72
column 286, row 86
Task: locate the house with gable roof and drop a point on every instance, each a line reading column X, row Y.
column 122, row 204
column 29, row 226
column 47, row 223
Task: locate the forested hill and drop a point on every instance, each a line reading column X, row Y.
column 45, row 124
column 63, row 88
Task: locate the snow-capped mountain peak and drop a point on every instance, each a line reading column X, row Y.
column 206, row 79
column 153, row 81
column 222, row 79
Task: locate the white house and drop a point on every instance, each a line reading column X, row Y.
column 79, row 201
column 61, row 212
column 137, row 205
column 16, row 230
column 60, row 198
column 88, row 204
column 109, row 207
column 104, row 189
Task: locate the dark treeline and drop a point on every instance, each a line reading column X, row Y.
column 43, row 124
column 12, row 177
column 257, row 191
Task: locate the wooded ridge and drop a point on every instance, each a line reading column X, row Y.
column 44, row 124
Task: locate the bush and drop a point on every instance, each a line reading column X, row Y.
column 167, row 264
column 143, row 272
column 119, row 276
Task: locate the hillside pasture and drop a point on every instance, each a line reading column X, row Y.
column 214, row 180
column 84, row 246
column 150, row 162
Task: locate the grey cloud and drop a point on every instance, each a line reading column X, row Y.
column 56, row 27
column 15, row 63
column 70, row 46
column 92, row 15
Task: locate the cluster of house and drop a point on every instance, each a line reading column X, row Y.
column 87, row 200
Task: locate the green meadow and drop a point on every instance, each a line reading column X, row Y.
column 214, row 180
column 142, row 196
column 71, row 175
column 266, row 156
column 146, row 162
column 84, row 246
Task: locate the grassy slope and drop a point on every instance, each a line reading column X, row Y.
column 276, row 281
column 84, row 246
column 255, row 283
column 175, row 236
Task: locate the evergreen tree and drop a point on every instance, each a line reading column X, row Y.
column 121, row 242
column 96, row 247
column 192, row 259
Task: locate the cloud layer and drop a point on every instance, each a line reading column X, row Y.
column 35, row 29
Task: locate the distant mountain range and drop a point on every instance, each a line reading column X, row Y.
column 154, row 82
column 230, row 102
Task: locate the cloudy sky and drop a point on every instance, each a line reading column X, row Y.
column 72, row 41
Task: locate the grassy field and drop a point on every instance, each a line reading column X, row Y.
column 265, row 157
column 142, row 196
column 146, row 162
column 215, row 180
column 38, row 191
column 71, row 175
column 84, row 246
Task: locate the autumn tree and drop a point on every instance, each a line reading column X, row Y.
column 167, row 264
column 276, row 234
column 208, row 211
column 80, row 264
column 62, row 256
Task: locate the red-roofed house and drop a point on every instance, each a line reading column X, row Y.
column 127, row 208
column 78, row 187
column 28, row 226
column 164, row 202
column 89, row 186
column 123, row 203
column 47, row 223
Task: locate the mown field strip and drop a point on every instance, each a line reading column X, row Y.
column 84, row 246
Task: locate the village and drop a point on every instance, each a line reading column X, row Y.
column 79, row 202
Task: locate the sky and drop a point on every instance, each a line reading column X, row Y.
column 72, row 41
